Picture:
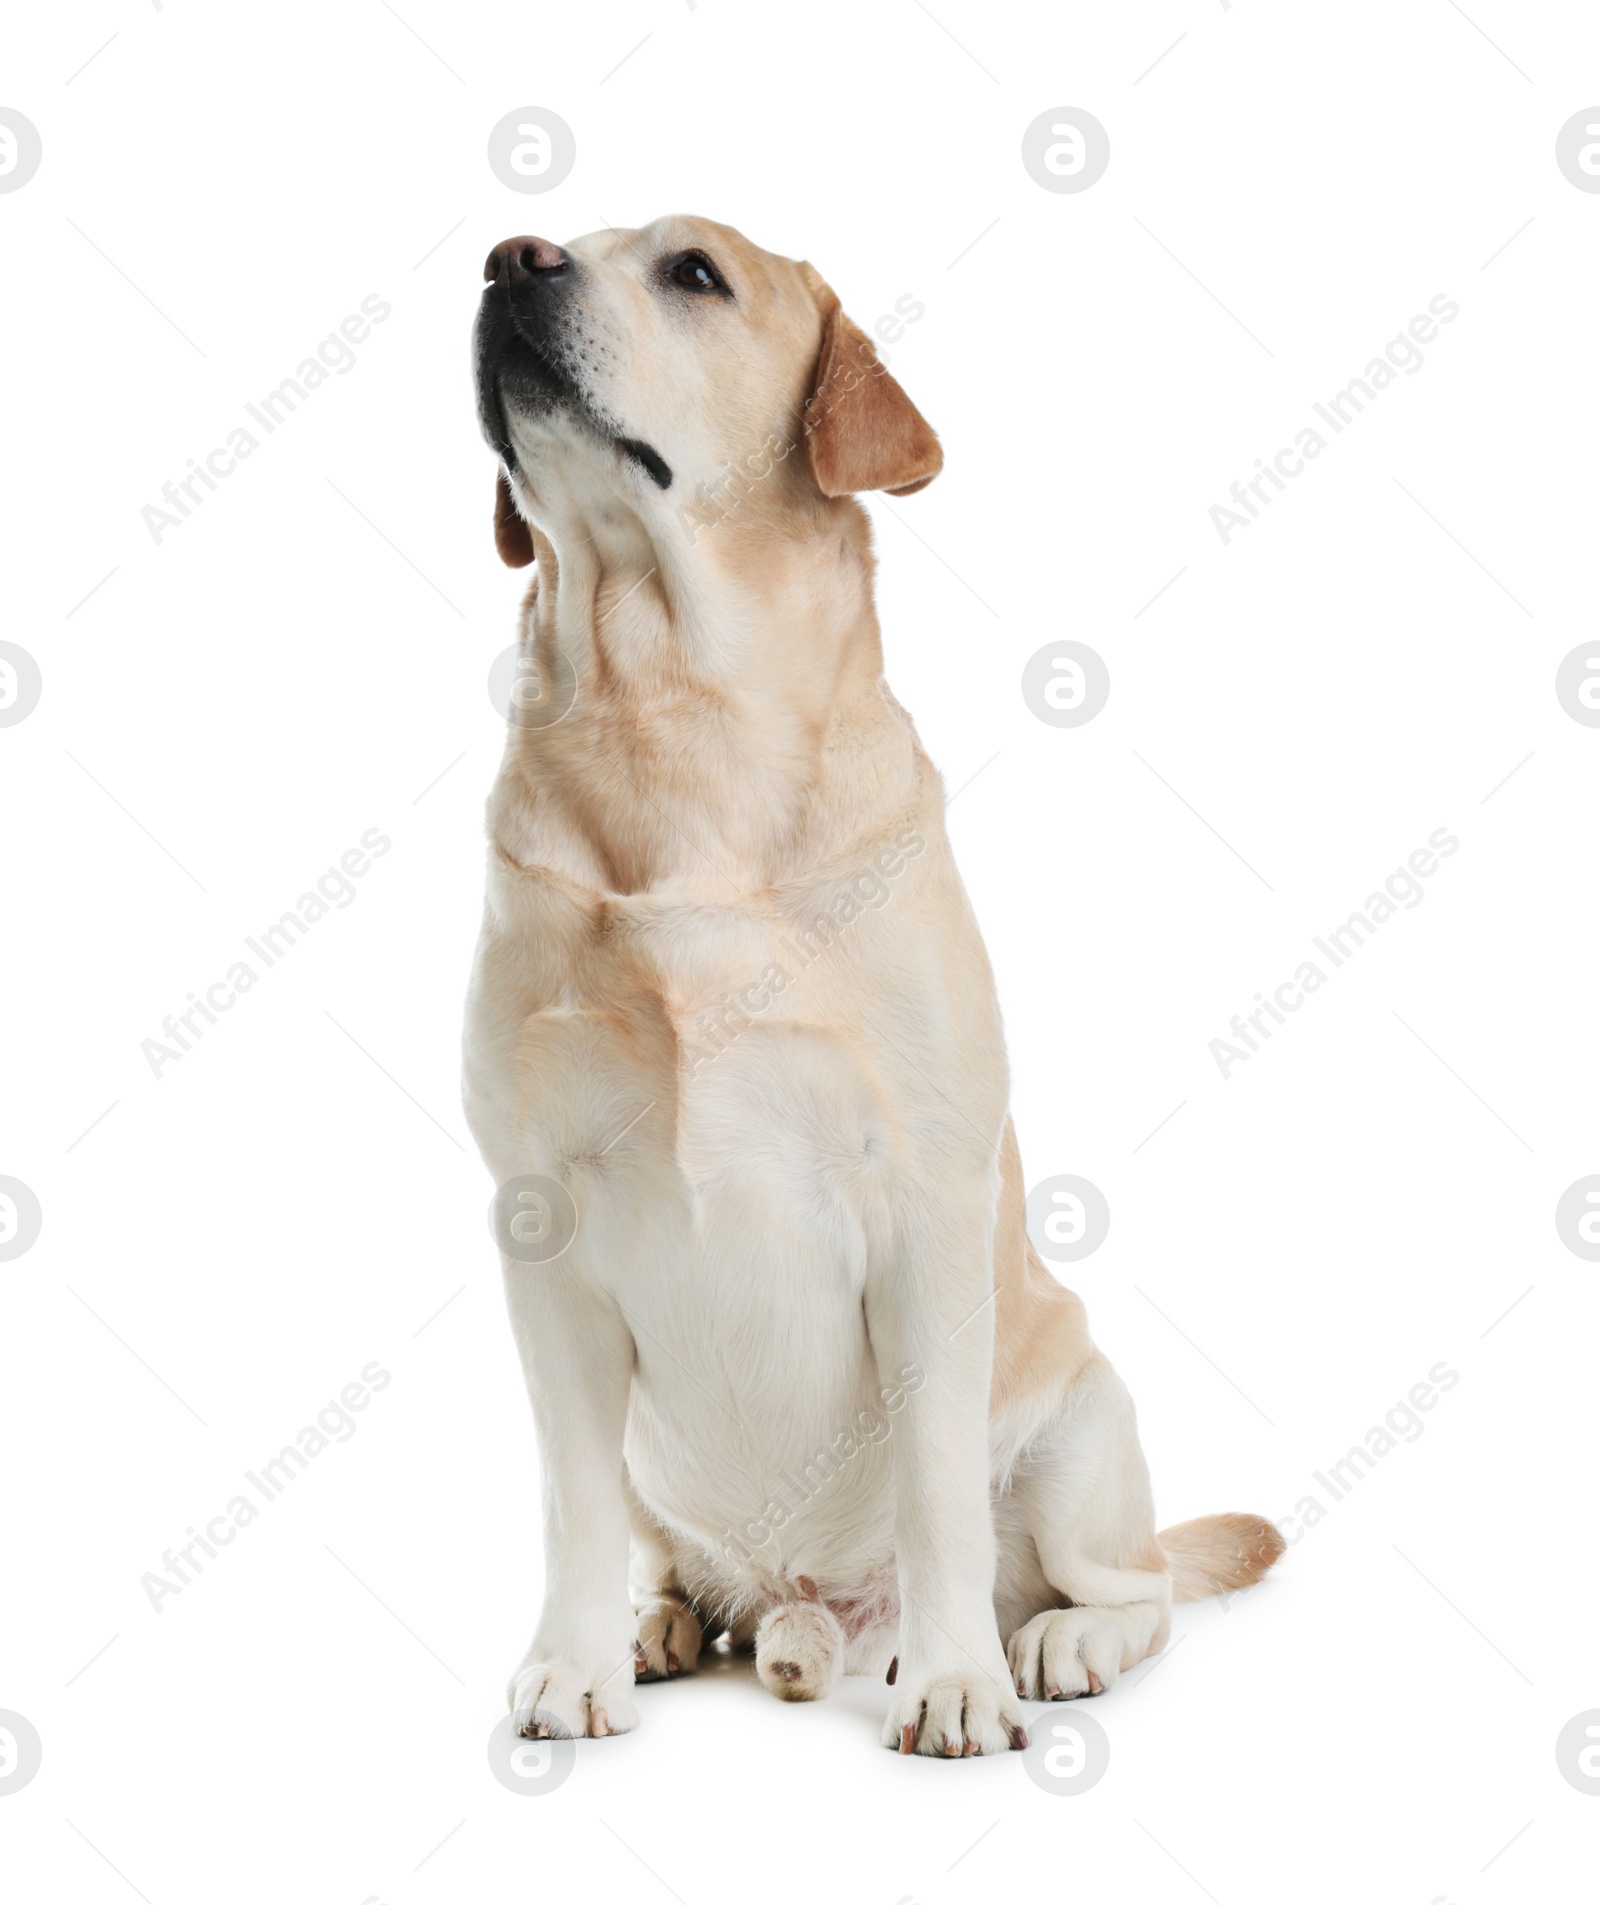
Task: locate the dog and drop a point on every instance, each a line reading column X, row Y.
column 734, row 1059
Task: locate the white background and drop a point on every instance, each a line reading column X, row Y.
column 228, row 711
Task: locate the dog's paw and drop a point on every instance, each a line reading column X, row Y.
column 669, row 1639
column 561, row 1701
column 799, row 1650
column 954, row 1717
column 1066, row 1652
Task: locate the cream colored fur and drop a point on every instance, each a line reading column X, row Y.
column 799, row 1203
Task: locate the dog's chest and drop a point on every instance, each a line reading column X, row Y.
column 768, row 1082
column 729, row 1158
column 684, row 1057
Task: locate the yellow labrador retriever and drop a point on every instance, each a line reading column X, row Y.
column 735, row 1061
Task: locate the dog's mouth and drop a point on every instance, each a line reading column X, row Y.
column 654, row 465
column 517, row 366
column 520, row 368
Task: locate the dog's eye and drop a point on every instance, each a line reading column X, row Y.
column 694, row 273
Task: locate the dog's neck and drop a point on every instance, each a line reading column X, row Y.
column 730, row 711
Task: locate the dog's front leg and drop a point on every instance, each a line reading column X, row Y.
column 932, row 1330
column 576, row 1678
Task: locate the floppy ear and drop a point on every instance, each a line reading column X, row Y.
column 862, row 430
column 511, row 536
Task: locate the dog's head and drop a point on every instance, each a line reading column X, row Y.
column 683, row 372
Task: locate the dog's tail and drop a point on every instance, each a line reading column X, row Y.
column 1217, row 1553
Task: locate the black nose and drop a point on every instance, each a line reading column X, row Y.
column 514, row 260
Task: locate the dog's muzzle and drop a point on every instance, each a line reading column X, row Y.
column 521, row 317
column 520, row 348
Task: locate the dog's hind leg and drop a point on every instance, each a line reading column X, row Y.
column 670, row 1634
column 1086, row 1585
column 1082, row 1588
